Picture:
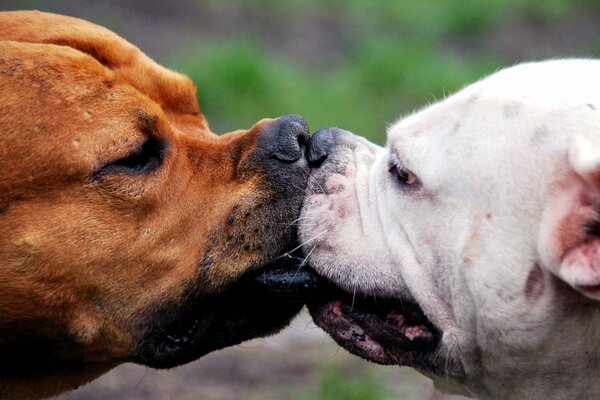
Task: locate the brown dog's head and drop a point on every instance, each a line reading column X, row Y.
column 123, row 218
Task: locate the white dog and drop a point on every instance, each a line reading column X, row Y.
column 470, row 245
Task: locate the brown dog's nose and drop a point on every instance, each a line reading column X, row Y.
column 286, row 138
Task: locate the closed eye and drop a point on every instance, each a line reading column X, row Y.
column 147, row 157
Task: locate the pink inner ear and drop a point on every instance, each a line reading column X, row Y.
column 577, row 245
column 580, row 268
column 573, row 217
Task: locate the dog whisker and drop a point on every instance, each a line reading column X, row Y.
column 302, row 265
column 312, row 179
column 297, row 224
column 299, row 188
column 288, row 253
column 308, row 255
column 294, row 222
column 337, row 351
column 300, row 219
column 319, row 185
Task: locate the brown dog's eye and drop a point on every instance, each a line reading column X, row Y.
column 146, row 158
column 403, row 175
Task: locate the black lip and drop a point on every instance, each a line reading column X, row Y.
column 261, row 303
column 382, row 330
column 380, row 318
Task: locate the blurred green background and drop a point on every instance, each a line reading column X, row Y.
column 355, row 64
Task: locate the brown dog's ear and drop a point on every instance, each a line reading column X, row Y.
column 174, row 92
column 578, row 234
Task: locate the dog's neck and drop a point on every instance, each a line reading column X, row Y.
column 20, row 367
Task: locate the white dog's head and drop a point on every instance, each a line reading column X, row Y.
column 469, row 246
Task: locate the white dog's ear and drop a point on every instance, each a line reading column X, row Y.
column 579, row 255
column 584, row 156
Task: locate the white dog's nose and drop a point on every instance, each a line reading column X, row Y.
column 318, row 146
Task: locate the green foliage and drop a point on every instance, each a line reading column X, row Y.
column 335, row 385
column 399, row 60
column 239, row 84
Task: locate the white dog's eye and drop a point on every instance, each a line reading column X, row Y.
column 403, row 175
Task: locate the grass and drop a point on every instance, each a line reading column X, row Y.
column 239, row 84
column 336, row 385
column 398, row 62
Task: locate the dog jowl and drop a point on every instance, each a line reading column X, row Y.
column 468, row 246
column 125, row 223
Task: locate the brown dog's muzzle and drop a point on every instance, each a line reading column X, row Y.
column 260, row 236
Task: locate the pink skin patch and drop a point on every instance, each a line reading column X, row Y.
column 575, row 249
column 336, row 184
column 575, row 210
column 335, row 308
column 329, row 208
column 581, row 268
column 413, row 332
column 351, row 335
column 585, row 257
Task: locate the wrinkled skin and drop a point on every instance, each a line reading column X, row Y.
column 101, row 251
column 482, row 209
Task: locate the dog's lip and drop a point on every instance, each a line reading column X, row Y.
column 260, row 303
column 385, row 331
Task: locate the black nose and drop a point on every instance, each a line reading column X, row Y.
column 287, row 138
column 319, row 146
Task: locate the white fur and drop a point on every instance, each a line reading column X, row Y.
column 502, row 163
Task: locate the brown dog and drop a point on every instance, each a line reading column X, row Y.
column 123, row 219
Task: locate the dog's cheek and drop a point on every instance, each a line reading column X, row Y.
column 102, row 340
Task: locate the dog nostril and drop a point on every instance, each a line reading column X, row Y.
column 318, row 147
column 291, row 137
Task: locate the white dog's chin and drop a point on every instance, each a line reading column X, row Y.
column 380, row 330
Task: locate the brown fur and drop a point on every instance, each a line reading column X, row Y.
column 84, row 261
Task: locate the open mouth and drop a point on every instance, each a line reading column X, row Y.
column 385, row 331
column 259, row 304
